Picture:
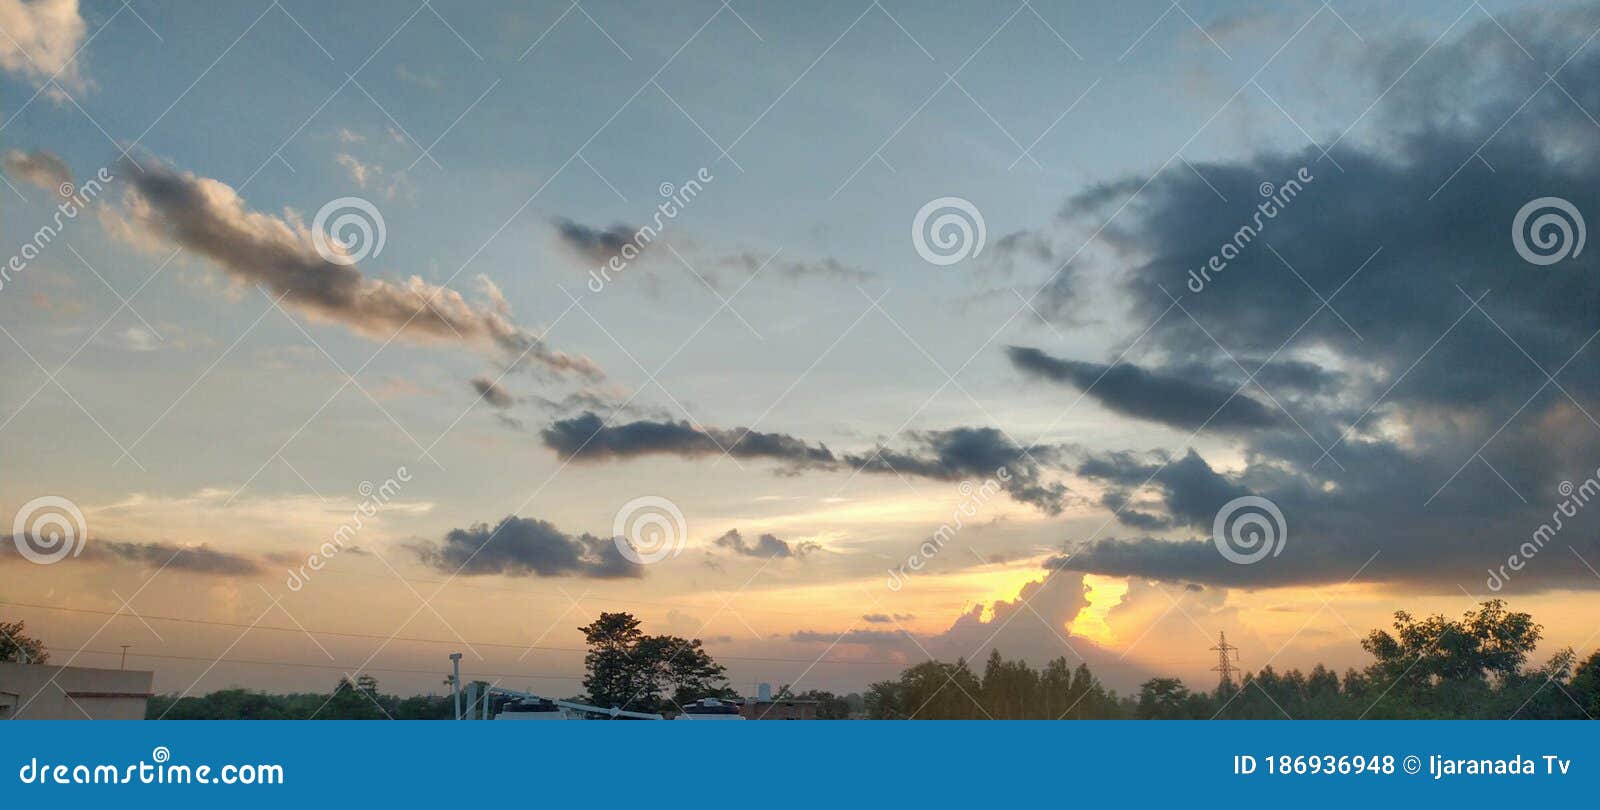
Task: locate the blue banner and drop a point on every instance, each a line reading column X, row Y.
column 264, row 764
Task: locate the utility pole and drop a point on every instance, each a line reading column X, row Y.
column 1224, row 660
column 455, row 681
column 125, row 655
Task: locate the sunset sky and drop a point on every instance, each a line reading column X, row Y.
column 218, row 391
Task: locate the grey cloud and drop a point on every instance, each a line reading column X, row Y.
column 596, row 245
column 527, row 547
column 492, row 392
column 1143, row 394
column 587, row 437
column 766, row 546
column 944, row 455
column 201, row 559
column 209, row 218
column 1447, row 442
column 973, row 453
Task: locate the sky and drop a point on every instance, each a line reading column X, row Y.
column 838, row 335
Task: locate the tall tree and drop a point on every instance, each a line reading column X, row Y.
column 638, row 672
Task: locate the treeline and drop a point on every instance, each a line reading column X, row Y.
column 358, row 700
column 1475, row 667
column 1435, row 668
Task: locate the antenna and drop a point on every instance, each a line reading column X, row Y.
column 1225, row 663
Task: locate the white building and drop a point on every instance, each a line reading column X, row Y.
column 48, row 692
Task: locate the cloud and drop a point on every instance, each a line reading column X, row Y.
column 944, row 455
column 1427, row 442
column 209, row 218
column 963, row 453
column 593, row 245
column 526, row 547
column 197, row 559
column 492, row 392
column 1036, row 626
column 588, row 438
column 41, row 39
column 1133, row 391
column 201, row 559
column 359, row 172
column 40, row 167
column 885, row 618
column 766, row 546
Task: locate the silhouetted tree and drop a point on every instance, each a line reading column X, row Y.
column 17, row 646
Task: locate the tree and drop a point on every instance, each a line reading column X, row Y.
column 1163, row 699
column 628, row 669
column 613, row 677
column 17, row 646
column 1487, row 642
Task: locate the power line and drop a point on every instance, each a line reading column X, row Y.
column 422, row 640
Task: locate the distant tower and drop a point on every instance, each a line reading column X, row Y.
column 1225, row 661
column 764, row 691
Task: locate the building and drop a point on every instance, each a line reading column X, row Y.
column 780, row 709
column 48, row 692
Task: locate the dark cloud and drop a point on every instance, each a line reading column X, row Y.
column 973, row 453
column 945, row 455
column 1142, row 394
column 209, row 218
column 527, row 547
column 596, row 245
column 40, row 168
column 766, row 546
column 1427, row 443
column 589, row 438
column 201, row 559
column 493, row 392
